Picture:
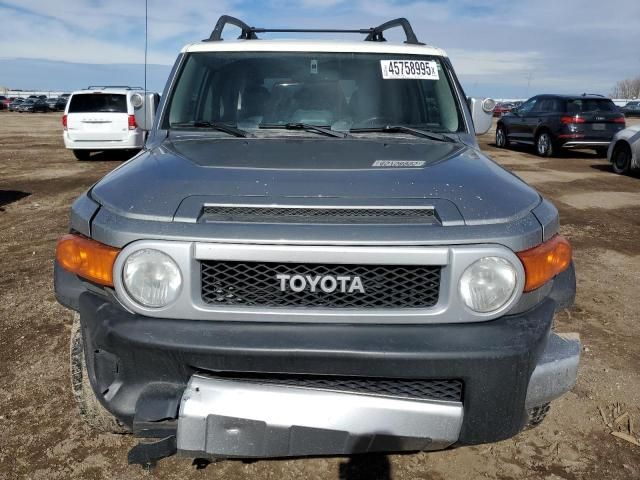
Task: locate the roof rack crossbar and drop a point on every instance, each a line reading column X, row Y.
column 105, row 87
column 247, row 31
column 374, row 34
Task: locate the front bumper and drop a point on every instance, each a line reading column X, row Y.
column 167, row 377
column 222, row 418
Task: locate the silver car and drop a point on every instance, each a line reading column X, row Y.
column 624, row 150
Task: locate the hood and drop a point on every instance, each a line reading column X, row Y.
column 280, row 170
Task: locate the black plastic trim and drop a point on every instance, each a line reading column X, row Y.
column 374, row 34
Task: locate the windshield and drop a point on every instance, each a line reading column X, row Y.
column 336, row 90
column 98, row 102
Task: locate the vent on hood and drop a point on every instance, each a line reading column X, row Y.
column 324, row 215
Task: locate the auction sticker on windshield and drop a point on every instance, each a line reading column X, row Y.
column 409, row 69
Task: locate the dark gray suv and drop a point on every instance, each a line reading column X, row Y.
column 312, row 256
column 554, row 122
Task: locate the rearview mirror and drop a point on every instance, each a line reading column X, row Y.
column 481, row 113
column 144, row 108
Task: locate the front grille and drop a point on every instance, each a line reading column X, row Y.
column 249, row 284
column 444, row 390
column 403, row 216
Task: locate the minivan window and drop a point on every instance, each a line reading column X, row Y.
column 98, row 102
column 338, row 90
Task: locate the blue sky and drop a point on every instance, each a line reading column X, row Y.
column 496, row 45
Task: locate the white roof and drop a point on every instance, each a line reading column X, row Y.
column 312, row 46
column 122, row 91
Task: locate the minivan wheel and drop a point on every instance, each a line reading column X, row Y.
column 501, row 137
column 82, row 155
column 91, row 410
column 544, row 145
column 621, row 159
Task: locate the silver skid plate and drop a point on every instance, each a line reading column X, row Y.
column 223, row 418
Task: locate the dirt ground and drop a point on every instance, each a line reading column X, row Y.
column 42, row 437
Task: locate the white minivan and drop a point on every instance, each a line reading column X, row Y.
column 102, row 118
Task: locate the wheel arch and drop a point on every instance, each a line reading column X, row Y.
column 544, row 128
column 624, row 143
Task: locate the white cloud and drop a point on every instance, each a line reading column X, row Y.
column 564, row 42
column 320, row 3
column 111, row 32
column 491, row 63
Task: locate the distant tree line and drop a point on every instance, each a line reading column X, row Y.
column 629, row 88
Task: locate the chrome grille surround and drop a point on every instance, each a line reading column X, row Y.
column 449, row 308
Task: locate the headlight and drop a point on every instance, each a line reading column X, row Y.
column 488, row 284
column 151, row 278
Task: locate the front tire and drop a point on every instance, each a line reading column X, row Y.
column 91, row 410
column 82, row 155
column 544, row 144
column 621, row 159
column 502, row 141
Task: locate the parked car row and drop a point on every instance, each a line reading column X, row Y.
column 631, row 109
column 554, row 122
column 34, row 103
column 503, row 108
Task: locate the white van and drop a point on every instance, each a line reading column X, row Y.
column 102, row 118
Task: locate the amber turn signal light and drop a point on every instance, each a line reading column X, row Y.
column 545, row 261
column 87, row 258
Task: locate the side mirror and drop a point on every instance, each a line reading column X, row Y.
column 144, row 107
column 481, row 113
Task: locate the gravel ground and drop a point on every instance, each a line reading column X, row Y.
column 42, row 437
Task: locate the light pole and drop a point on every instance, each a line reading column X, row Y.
column 529, row 77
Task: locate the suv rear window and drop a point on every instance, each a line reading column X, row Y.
column 98, row 102
column 582, row 105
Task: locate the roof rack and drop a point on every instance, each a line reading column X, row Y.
column 374, row 34
column 592, row 95
column 105, row 87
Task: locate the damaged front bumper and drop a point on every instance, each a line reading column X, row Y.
column 185, row 382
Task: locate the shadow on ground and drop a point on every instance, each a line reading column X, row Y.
column 366, row 467
column 10, row 196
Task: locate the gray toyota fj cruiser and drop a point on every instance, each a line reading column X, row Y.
column 312, row 256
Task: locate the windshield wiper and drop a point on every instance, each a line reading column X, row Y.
column 404, row 129
column 218, row 126
column 304, row 126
